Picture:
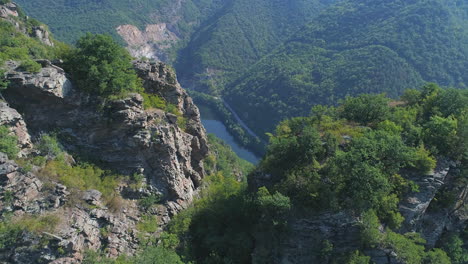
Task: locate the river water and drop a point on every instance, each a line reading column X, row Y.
column 214, row 126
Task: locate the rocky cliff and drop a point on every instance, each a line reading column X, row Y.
column 11, row 13
column 118, row 134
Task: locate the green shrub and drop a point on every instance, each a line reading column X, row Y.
column 158, row 255
column 437, row 256
column 454, row 246
column 49, row 146
column 8, row 143
column 9, row 234
column 370, row 233
column 153, row 101
column 3, row 81
column 30, row 66
column 358, row 258
column 148, row 224
column 149, row 201
column 82, row 176
column 409, row 247
column 422, row 160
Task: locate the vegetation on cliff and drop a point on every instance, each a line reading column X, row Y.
column 335, row 159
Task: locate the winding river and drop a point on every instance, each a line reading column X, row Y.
column 214, row 126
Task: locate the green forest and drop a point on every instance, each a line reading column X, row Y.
column 69, row 20
column 356, row 47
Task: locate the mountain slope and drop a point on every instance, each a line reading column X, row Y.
column 238, row 36
column 356, row 46
column 70, row 19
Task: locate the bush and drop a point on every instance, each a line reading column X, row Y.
column 82, row 177
column 158, row 255
column 8, row 143
column 148, row 224
column 366, row 108
column 3, row 81
column 153, row 101
column 358, row 258
column 149, row 201
column 370, row 233
column 102, row 67
column 49, row 146
column 30, row 66
column 422, row 160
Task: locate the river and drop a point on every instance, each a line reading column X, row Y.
column 214, row 126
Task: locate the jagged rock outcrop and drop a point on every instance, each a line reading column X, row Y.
column 154, row 42
column 120, row 133
column 7, row 10
column 10, row 118
column 10, row 13
column 77, row 228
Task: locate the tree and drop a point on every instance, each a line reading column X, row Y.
column 101, row 66
column 440, row 133
column 366, row 108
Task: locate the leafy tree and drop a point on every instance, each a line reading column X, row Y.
column 370, row 234
column 366, row 108
column 440, row 133
column 437, row 256
column 454, row 246
column 101, row 66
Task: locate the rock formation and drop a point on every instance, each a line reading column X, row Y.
column 119, row 134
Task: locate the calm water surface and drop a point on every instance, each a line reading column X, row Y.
column 214, row 126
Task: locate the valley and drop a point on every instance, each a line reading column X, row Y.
column 234, row 132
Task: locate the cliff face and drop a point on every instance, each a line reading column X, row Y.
column 10, row 12
column 153, row 42
column 119, row 134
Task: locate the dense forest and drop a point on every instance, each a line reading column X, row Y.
column 356, row 47
column 71, row 19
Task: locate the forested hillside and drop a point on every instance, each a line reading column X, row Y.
column 238, row 36
column 69, row 20
column 355, row 47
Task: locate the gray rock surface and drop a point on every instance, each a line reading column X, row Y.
column 120, row 133
column 9, row 12
column 79, row 228
column 10, row 118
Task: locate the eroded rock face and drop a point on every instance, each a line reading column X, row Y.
column 9, row 12
column 79, row 227
column 10, row 118
column 153, row 42
column 121, row 133
column 414, row 205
